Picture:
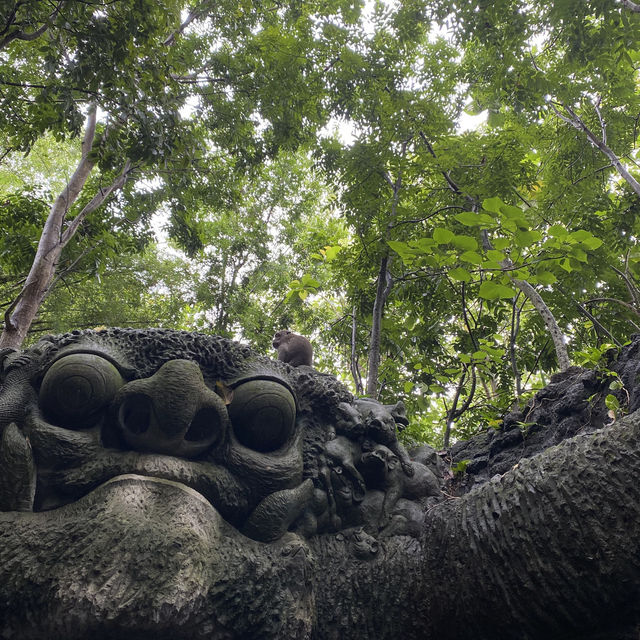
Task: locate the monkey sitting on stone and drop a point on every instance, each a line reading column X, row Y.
column 292, row 348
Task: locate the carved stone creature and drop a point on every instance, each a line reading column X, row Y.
column 344, row 485
column 293, row 349
column 158, row 484
column 380, row 426
column 380, row 468
column 81, row 409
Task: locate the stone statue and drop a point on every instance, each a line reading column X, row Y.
column 165, row 484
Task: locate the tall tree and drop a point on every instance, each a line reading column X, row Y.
column 156, row 92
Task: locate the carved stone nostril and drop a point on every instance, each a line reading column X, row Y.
column 206, row 424
column 172, row 412
column 135, row 413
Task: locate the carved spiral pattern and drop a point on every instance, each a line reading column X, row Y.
column 263, row 413
column 76, row 388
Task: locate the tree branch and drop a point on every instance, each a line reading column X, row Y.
column 18, row 34
column 355, row 370
column 576, row 122
column 596, row 323
column 94, row 203
column 631, row 288
column 193, row 14
column 620, row 302
column 632, row 6
column 552, row 326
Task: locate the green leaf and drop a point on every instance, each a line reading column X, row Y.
column 546, row 277
column 527, row 238
column 491, row 290
column 580, row 235
column 611, row 402
column 470, row 219
column 493, row 204
column 460, row 467
column 442, row 236
column 423, row 246
column 496, row 256
column 332, row 252
column 587, row 239
column 472, row 257
column 502, row 243
column 592, row 243
column 403, row 250
column 566, row 265
column 579, row 254
column 309, row 281
column 460, row 274
column 558, row 231
column 514, row 213
column 465, row 242
column 509, row 225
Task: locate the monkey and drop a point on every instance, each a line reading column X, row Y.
column 292, row 348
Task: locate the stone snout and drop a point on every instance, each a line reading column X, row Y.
column 173, row 412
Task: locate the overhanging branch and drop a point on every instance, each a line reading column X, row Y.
column 600, row 143
column 94, row 203
column 632, row 6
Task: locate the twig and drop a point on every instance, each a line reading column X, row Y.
column 620, row 302
column 94, row 203
column 577, row 123
column 632, row 6
column 193, row 14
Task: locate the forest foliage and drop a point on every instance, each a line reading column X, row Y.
column 312, row 165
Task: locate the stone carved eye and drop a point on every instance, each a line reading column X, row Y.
column 76, row 388
column 263, row 414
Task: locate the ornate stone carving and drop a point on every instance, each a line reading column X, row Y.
column 272, row 448
column 168, row 485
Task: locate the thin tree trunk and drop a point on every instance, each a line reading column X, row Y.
column 383, row 287
column 385, row 283
column 540, row 306
column 515, row 328
column 600, row 142
column 454, row 413
column 48, row 253
column 355, row 370
column 632, row 6
column 22, row 312
column 552, row 326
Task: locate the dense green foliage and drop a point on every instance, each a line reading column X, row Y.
column 312, row 168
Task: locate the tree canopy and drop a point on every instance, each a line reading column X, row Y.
column 313, row 167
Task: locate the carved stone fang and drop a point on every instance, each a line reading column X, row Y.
column 17, row 471
column 272, row 518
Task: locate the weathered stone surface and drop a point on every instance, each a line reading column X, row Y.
column 160, row 484
column 572, row 404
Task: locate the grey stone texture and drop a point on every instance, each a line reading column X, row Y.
column 165, row 484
